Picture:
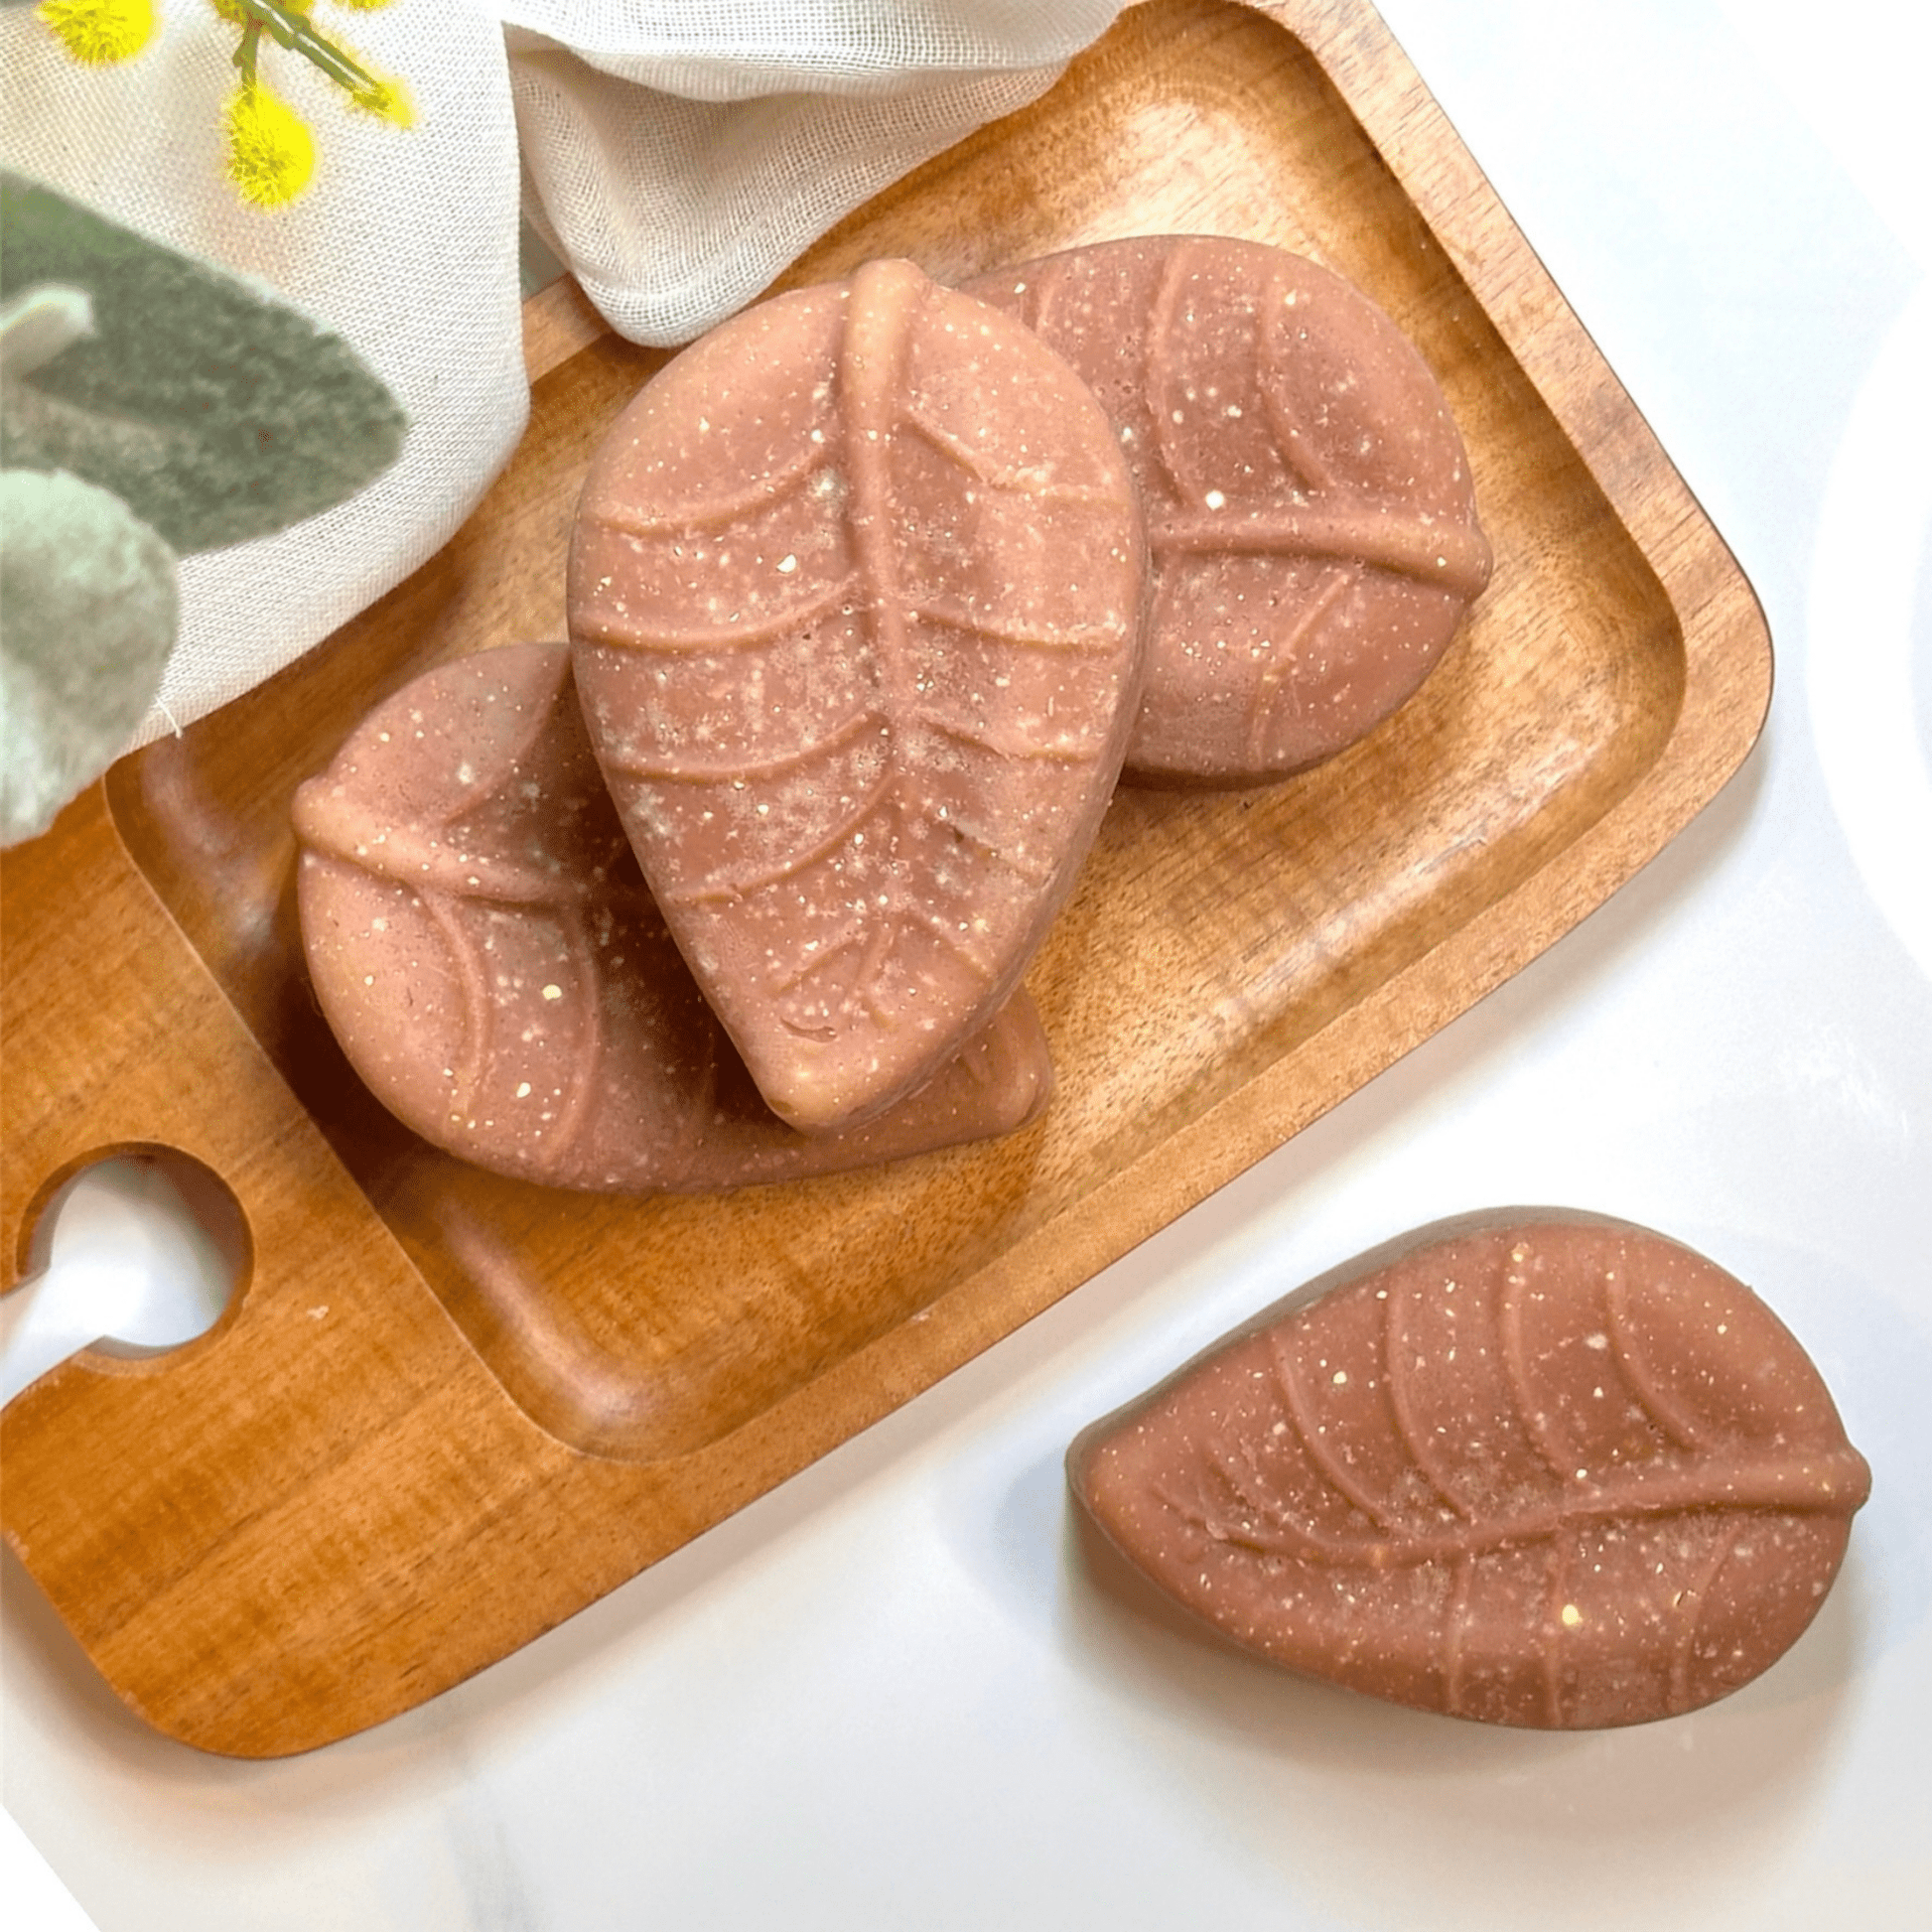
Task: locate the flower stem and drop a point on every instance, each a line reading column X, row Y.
column 289, row 27
column 247, row 48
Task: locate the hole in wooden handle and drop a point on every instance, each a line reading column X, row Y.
column 137, row 1253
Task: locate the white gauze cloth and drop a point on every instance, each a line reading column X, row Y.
column 680, row 153
column 677, row 155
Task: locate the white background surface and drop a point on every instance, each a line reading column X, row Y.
column 889, row 1695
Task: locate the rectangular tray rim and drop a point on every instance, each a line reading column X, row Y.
column 1728, row 662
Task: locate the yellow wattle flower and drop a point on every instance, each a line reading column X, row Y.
column 271, row 153
column 100, row 32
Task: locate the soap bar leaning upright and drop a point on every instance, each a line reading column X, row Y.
column 484, row 949
column 1311, row 514
column 1540, row 1469
column 855, row 595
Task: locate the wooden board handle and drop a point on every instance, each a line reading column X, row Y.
column 242, row 1482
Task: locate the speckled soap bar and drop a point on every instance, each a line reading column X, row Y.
column 1311, row 514
column 1541, row 1469
column 855, row 594
column 485, row 948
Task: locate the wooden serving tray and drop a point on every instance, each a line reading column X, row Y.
column 443, row 1412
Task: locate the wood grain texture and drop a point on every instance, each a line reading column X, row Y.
column 447, row 1410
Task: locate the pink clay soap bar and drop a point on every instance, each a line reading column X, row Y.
column 485, row 950
column 855, row 595
column 1308, row 504
column 1547, row 1470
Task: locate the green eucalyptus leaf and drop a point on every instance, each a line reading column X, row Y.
column 87, row 612
column 216, row 410
column 40, row 323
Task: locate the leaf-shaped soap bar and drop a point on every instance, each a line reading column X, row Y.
column 1309, row 503
column 1541, row 1469
column 855, row 595
column 485, row 950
